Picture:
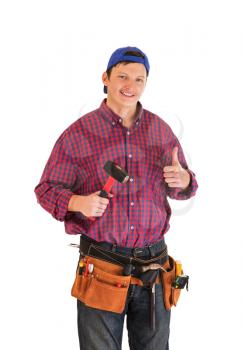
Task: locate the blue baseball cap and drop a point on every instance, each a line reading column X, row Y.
column 126, row 54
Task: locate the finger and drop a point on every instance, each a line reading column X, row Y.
column 99, row 211
column 101, row 207
column 169, row 168
column 171, row 174
column 104, row 201
column 174, row 184
column 171, row 180
column 98, row 214
column 97, row 193
column 174, row 156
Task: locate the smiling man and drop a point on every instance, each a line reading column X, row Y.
column 125, row 84
column 123, row 255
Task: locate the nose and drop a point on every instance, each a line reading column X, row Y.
column 129, row 85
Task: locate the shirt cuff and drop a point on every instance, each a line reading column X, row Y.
column 180, row 194
column 62, row 205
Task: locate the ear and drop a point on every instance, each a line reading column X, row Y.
column 105, row 78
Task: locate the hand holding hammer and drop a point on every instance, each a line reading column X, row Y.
column 95, row 204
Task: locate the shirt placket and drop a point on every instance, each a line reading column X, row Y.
column 131, row 200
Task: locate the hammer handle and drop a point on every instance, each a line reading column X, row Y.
column 103, row 194
column 108, row 185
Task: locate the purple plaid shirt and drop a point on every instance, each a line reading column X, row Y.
column 139, row 212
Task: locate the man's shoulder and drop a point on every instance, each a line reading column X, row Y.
column 155, row 118
column 85, row 118
column 78, row 125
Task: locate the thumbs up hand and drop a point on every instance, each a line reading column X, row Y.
column 175, row 175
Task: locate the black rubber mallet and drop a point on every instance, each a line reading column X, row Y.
column 116, row 173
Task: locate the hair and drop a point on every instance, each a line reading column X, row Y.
column 128, row 53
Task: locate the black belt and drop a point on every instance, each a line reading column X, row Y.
column 122, row 255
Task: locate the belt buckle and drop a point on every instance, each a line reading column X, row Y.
column 138, row 251
column 114, row 248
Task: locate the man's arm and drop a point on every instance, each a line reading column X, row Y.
column 54, row 192
column 54, row 189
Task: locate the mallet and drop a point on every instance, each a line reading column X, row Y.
column 116, row 173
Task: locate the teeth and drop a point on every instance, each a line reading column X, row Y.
column 126, row 94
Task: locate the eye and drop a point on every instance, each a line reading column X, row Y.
column 139, row 80
column 122, row 76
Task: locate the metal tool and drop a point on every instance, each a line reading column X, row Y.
column 152, row 307
column 74, row 245
column 154, row 266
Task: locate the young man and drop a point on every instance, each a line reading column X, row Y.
column 127, row 228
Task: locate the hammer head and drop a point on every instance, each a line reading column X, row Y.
column 116, row 172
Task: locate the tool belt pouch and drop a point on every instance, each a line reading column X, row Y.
column 170, row 294
column 102, row 290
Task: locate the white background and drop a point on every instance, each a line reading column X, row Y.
column 52, row 56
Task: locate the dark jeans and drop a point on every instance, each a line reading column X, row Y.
column 102, row 330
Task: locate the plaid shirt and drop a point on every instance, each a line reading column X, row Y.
column 139, row 212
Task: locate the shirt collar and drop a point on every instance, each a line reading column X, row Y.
column 114, row 118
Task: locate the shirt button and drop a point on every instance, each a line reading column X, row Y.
column 132, row 203
column 113, row 123
column 137, row 123
column 120, row 120
column 131, row 179
column 130, row 155
column 132, row 227
column 128, row 133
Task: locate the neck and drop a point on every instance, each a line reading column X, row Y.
column 127, row 113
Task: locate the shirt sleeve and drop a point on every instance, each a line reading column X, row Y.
column 178, row 193
column 54, row 189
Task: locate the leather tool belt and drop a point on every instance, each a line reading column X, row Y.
column 123, row 256
column 104, row 274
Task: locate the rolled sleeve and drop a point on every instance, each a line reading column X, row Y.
column 183, row 194
column 54, row 189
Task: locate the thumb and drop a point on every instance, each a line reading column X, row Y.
column 175, row 160
column 97, row 192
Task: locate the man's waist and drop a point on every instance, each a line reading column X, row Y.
column 143, row 264
column 147, row 252
column 130, row 259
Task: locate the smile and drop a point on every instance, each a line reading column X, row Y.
column 127, row 94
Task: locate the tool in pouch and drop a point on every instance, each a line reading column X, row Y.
column 181, row 280
column 104, row 285
column 149, row 274
column 172, row 278
column 173, row 281
column 96, row 287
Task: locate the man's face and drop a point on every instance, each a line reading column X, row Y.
column 126, row 84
